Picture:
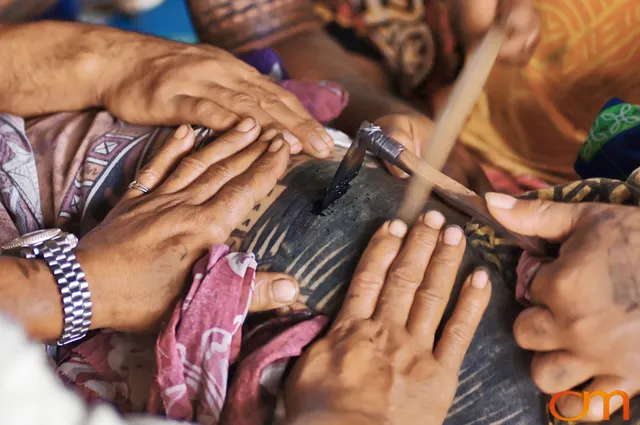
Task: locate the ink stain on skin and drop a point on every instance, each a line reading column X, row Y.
column 321, row 205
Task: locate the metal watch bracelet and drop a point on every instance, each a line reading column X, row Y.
column 74, row 289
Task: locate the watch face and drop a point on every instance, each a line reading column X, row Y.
column 31, row 239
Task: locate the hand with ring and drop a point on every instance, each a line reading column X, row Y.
column 138, row 259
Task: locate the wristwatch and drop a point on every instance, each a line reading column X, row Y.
column 56, row 247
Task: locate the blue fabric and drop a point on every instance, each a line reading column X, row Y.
column 169, row 20
column 64, row 10
column 612, row 149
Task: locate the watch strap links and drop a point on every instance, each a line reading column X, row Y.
column 74, row 289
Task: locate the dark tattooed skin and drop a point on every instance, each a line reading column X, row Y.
column 624, row 259
column 321, row 250
column 239, row 26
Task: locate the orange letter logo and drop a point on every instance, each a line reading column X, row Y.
column 586, row 397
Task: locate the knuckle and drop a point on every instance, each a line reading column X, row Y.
column 148, row 174
column 269, row 101
column 404, row 277
column 220, row 173
column 446, row 258
column 204, row 108
column 458, row 333
column 242, row 192
column 426, row 238
column 194, row 164
column 367, row 280
column 431, row 297
column 242, row 99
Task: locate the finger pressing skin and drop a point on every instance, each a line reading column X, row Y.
column 236, row 199
column 535, row 329
column 244, row 105
column 230, row 143
column 371, row 272
column 203, row 111
column 222, row 172
column 407, row 271
column 173, row 150
column 432, row 296
column 273, row 290
column 285, row 107
column 460, row 328
column 559, row 371
column 607, row 394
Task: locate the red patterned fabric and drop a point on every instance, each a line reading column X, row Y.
column 184, row 374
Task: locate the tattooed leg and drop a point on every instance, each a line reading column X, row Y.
column 240, row 26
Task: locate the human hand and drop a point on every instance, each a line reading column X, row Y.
column 519, row 18
column 585, row 322
column 169, row 83
column 379, row 362
column 411, row 129
column 138, row 259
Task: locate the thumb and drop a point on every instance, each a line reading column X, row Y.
column 399, row 128
column 273, row 290
column 554, row 221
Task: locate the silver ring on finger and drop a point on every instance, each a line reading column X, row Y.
column 136, row 185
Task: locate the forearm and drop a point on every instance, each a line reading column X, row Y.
column 297, row 34
column 29, row 294
column 55, row 66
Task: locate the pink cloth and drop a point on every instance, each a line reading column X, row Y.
column 324, row 100
column 527, row 268
column 183, row 374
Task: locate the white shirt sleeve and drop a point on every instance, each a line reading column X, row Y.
column 31, row 394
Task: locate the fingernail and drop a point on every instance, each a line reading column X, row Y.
column 500, row 200
column 182, row 131
column 276, row 145
column 480, row 279
column 434, row 219
column 291, row 139
column 246, row 125
column 285, row 291
column 318, row 144
column 453, row 235
column 398, row 228
column 269, row 134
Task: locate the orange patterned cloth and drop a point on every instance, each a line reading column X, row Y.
column 534, row 120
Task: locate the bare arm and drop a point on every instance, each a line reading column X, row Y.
column 58, row 66
column 296, row 33
column 29, row 294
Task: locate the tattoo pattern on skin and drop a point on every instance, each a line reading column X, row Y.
column 239, row 26
column 321, row 250
column 624, row 258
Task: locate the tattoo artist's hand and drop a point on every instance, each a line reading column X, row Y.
column 138, row 259
column 380, row 363
column 411, row 129
column 586, row 320
column 519, row 17
column 168, row 83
